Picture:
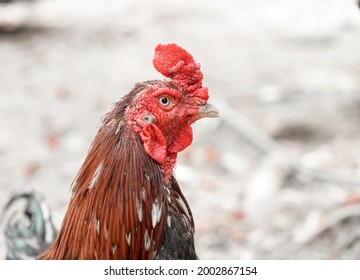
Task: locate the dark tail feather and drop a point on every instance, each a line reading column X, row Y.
column 29, row 230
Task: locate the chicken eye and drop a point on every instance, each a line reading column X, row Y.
column 164, row 101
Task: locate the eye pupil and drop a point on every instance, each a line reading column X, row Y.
column 164, row 101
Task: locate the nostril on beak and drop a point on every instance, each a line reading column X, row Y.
column 200, row 102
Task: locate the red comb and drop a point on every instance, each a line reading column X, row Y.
column 176, row 63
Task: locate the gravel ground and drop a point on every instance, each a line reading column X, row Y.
column 290, row 70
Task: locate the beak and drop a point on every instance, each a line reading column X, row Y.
column 207, row 111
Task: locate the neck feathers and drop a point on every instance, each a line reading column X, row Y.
column 115, row 192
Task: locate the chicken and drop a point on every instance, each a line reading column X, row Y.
column 126, row 202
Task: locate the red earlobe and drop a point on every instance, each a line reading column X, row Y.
column 154, row 143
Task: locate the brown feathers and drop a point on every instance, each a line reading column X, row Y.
column 126, row 203
column 116, row 188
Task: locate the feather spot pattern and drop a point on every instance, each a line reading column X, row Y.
column 106, row 233
column 95, row 177
column 98, row 226
column 156, row 210
column 147, row 241
column 169, row 221
column 128, row 238
column 143, row 192
column 113, row 249
column 181, row 203
column 139, row 210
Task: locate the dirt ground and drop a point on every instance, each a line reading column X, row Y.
column 276, row 177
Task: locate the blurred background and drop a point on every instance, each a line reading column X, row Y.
column 276, row 177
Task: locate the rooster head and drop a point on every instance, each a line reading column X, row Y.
column 162, row 112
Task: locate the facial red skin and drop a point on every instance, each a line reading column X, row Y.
column 164, row 131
